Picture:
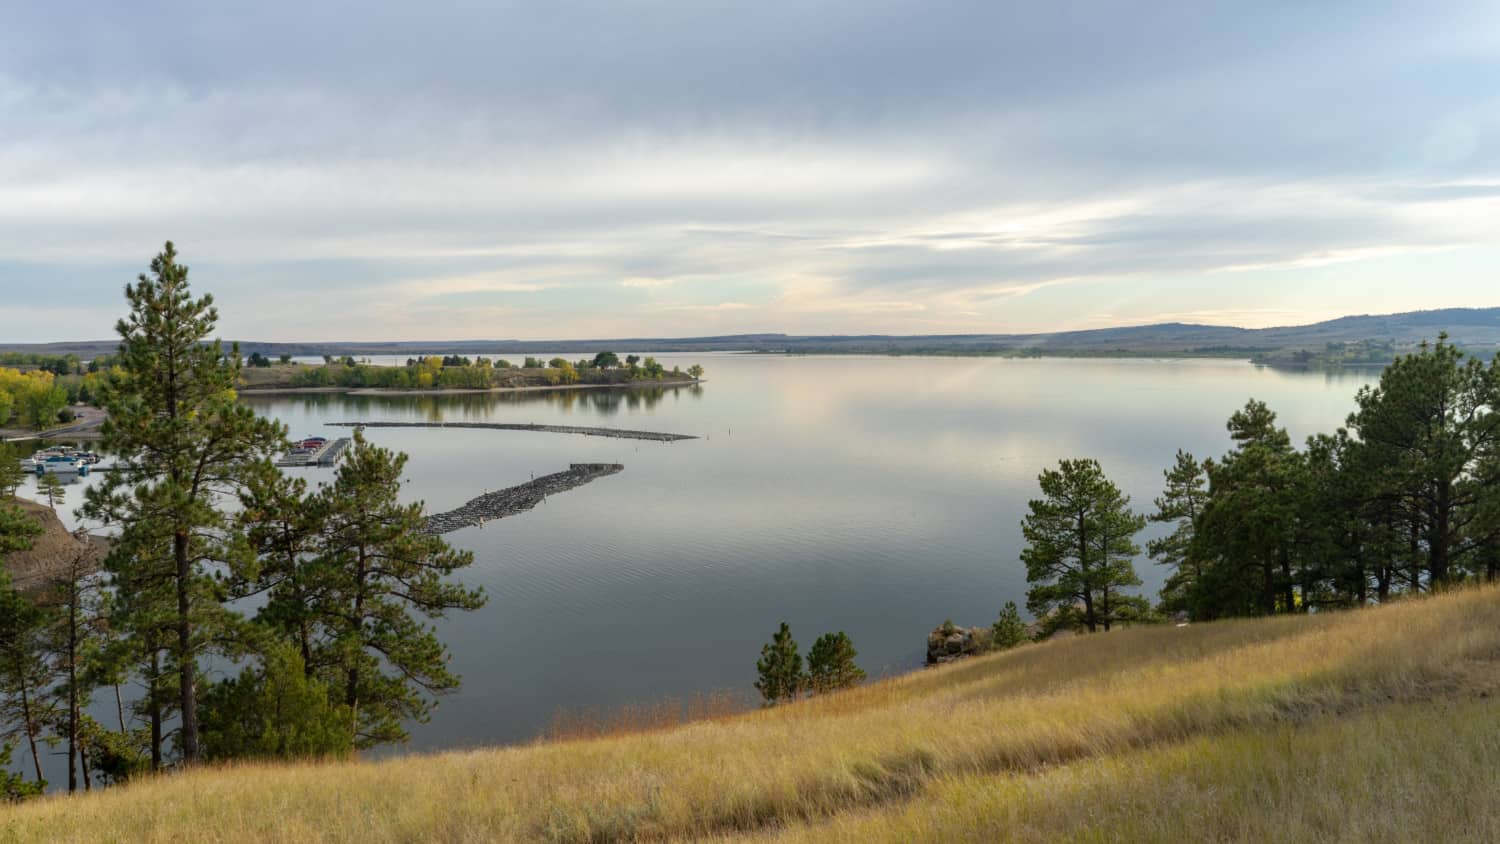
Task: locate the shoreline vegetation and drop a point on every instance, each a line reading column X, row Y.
column 465, row 391
column 459, row 374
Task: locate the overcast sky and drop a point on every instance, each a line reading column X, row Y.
column 558, row 169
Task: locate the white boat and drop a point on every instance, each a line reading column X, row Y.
column 59, row 464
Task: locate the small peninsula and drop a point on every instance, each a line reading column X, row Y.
column 459, row 374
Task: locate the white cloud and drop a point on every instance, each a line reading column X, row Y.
column 826, row 167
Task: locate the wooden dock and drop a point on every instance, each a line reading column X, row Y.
column 326, row 455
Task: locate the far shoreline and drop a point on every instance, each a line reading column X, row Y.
column 434, row 391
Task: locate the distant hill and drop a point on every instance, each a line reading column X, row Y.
column 1474, row 328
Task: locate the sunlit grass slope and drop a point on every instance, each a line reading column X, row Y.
column 1378, row 724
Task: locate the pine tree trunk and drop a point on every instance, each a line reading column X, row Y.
column 306, row 643
column 36, row 760
column 186, row 664
column 1362, row 578
column 352, row 694
column 72, row 688
column 1414, row 562
column 1089, row 619
column 153, row 699
column 1437, row 537
column 1268, row 587
column 120, row 708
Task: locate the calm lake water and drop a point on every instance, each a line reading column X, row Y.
column 872, row 495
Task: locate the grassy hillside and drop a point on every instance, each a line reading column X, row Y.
column 1380, row 724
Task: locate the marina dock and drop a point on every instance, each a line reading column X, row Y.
column 325, row 455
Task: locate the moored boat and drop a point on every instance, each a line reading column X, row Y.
column 60, row 464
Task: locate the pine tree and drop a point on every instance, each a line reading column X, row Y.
column 23, row 669
column 1432, row 419
column 16, row 529
column 73, row 596
column 1250, row 531
column 379, row 568
column 183, row 445
column 780, row 668
column 1009, row 630
column 285, row 525
column 1080, row 548
column 25, row 708
column 11, row 473
column 14, row 787
column 1180, row 505
column 830, row 664
column 50, row 488
column 143, row 622
column 275, row 711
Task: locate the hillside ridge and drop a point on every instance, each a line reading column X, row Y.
column 1466, row 326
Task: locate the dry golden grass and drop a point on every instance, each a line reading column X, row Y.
column 666, row 714
column 1138, row 722
column 1397, row 773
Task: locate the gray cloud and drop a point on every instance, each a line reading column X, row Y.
column 786, row 166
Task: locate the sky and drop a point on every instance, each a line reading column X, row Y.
column 553, row 170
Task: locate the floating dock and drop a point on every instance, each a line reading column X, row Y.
column 325, row 455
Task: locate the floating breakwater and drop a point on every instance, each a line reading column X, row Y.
column 617, row 433
column 517, row 499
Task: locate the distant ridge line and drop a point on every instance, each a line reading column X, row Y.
column 1466, row 326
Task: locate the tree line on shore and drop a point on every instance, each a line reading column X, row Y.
column 41, row 395
column 32, row 399
column 458, row 372
column 336, row 658
column 1403, row 498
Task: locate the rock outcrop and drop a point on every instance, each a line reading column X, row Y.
column 947, row 643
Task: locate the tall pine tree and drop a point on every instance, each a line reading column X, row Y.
column 379, row 570
column 184, row 448
column 1433, row 423
column 1247, row 536
column 1180, row 505
column 25, row 708
column 74, row 597
column 1080, row 549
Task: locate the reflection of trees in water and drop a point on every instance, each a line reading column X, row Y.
column 455, row 407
